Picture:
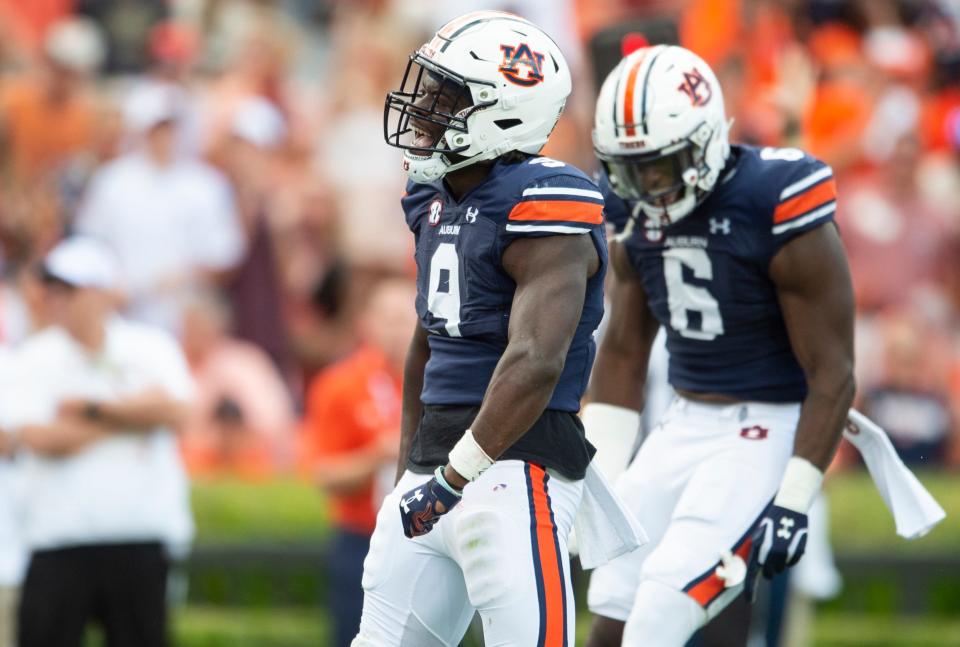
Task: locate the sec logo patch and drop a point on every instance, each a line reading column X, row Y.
column 436, row 210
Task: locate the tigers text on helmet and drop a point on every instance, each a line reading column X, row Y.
column 488, row 83
column 661, row 131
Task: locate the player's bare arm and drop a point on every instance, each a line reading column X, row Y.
column 417, row 356
column 551, row 275
column 816, row 298
column 620, row 371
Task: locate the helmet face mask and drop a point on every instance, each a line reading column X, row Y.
column 431, row 102
column 657, row 178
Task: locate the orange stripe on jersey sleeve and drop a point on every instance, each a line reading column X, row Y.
column 810, row 199
column 707, row 590
column 553, row 586
column 562, row 210
column 628, row 94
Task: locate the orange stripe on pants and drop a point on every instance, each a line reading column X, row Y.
column 705, row 591
column 545, row 550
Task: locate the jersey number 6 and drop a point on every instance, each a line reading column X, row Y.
column 684, row 298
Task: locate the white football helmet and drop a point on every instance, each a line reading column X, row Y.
column 488, row 83
column 661, row 131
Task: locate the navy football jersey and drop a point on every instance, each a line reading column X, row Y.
column 463, row 293
column 706, row 276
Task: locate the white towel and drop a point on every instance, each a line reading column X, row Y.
column 914, row 510
column 604, row 528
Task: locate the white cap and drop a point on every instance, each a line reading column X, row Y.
column 75, row 43
column 259, row 122
column 83, row 263
column 151, row 104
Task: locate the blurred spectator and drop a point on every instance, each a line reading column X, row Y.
column 12, row 552
column 93, row 404
column 253, row 43
column 897, row 240
column 173, row 48
column 352, row 436
column 252, row 163
column 49, row 114
column 15, row 318
column 243, row 418
column 171, row 219
column 910, row 400
column 364, row 174
column 28, row 22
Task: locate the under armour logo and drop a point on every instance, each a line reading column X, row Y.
column 785, row 529
column 719, row 226
column 472, row 214
column 405, row 503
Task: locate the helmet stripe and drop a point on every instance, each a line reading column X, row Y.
column 628, row 94
column 646, row 83
column 459, row 25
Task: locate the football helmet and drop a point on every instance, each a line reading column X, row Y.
column 661, row 132
column 489, row 82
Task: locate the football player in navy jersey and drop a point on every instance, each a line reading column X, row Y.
column 511, row 257
column 733, row 251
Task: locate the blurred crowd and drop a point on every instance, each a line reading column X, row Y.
column 230, row 153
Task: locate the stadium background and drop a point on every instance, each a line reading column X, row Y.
column 870, row 86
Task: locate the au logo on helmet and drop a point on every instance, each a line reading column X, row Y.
column 696, row 87
column 517, row 56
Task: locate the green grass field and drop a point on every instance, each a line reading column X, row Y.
column 218, row 627
column 230, row 512
column 291, row 513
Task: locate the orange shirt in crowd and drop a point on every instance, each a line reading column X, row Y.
column 353, row 406
column 29, row 20
column 41, row 134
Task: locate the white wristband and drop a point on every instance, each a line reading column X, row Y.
column 800, row 485
column 613, row 431
column 468, row 459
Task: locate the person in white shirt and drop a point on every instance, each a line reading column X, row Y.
column 92, row 408
column 12, row 553
column 170, row 218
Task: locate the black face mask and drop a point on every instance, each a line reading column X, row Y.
column 430, row 101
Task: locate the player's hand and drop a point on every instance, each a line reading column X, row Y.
column 422, row 507
column 778, row 543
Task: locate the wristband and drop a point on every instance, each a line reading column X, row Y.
column 613, row 431
column 468, row 459
column 438, row 474
column 801, row 482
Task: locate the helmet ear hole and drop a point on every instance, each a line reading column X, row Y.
column 458, row 140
